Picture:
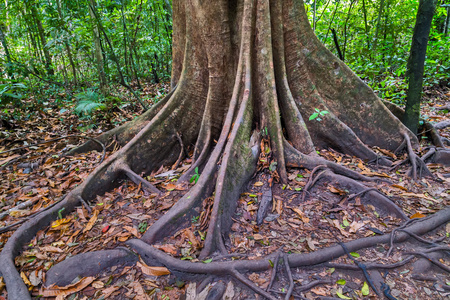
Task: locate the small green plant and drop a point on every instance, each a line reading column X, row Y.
column 88, row 102
column 60, row 213
column 11, row 92
column 195, row 219
column 195, row 177
column 142, row 227
column 318, row 114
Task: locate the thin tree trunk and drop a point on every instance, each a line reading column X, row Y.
column 97, row 48
column 447, row 22
column 345, row 28
column 48, row 59
column 416, row 62
column 66, row 43
column 8, row 55
column 366, row 27
column 377, row 29
column 116, row 61
column 336, row 43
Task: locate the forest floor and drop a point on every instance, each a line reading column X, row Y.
column 37, row 176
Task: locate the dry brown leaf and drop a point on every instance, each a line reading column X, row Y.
column 2, row 284
column 302, row 215
column 56, row 291
column 25, row 278
column 371, row 174
column 320, row 291
column 336, row 190
column 387, row 153
column 423, row 196
column 91, row 222
column 153, row 271
column 171, row 187
column 311, row 243
column 98, row 284
column 279, row 207
column 400, row 187
column 258, row 183
column 9, row 159
column 168, row 248
column 258, row 237
column 192, row 238
column 51, row 249
column 355, row 226
column 133, row 231
column 417, row 215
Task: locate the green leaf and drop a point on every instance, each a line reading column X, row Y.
column 313, row 116
column 365, row 289
column 207, row 261
column 342, row 296
column 354, row 254
column 341, row 282
column 345, row 223
column 271, row 263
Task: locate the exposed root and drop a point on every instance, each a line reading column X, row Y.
column 291, row 280
column 416, row 162
column 139, row 180
column 155, row 257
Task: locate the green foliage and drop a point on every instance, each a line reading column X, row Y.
column 378, row 52
column 88, row 102
column 142, row 227
column 318, row 114
column 11, row 92
column 195, row 177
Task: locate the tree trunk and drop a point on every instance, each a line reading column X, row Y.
column 97, row 48
column 66, row 43
column 247, row 74
column 8, row 55
column 48, row 58
column 416, row 63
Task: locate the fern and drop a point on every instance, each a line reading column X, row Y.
column 88, row 102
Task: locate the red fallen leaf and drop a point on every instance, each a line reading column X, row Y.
column 417, row 215
column 105, row 229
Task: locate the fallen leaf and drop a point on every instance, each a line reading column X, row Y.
column 258, row 237
column 153, row 271
column 302, row 215
column 60, row 222
column 336, row 190
column 8, row 159
column 132, row 230
column 168, row 248
column 371, row 174
column 400, row 187
column 258, row 183
column 51, row 249
column 91, row 222
column 423, row 196
column 25, row 278
column 417, row 215
column 60, row 292
column 192, row 238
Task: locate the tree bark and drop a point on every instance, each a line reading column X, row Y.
column 8, row 55
column 48, row 58
column 97, row 48
column 416, row 63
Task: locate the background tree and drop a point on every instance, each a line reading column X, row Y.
column 416, row 63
